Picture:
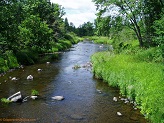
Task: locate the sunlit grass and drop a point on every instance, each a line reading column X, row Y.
column 100, row 39
column 139, row 80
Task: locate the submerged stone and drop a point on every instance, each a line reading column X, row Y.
column 58, row 98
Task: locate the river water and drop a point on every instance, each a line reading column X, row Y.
column 87, row 100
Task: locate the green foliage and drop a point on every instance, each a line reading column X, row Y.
column 38, row 38
column 11, row 59
column 29, row 28
column 4, row 100
column 103, row 25
column 3, row 65
column 34, row 92
column 86, row 29
column 150, row 55
column 8, row 61
column 27, row 57
column 125, row 35
column 128, row 13
column 139, row 80
column 159, row 31
column 65, row 43
column 71, row 37
column 101, row 40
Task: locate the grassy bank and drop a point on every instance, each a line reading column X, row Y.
column 99, row 39
column 139, row 75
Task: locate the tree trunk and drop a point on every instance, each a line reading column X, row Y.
column 135, row 27
column 137, row 30
column 139, row 36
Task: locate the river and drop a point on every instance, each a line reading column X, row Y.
column 87, row 100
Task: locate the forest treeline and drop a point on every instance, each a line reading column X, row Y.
column 29, row 28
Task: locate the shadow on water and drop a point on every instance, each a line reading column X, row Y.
column 87, row 100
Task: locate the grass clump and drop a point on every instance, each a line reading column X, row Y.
column 138, row 79
column 100, row 39
column 4, row 100
column 34, row 92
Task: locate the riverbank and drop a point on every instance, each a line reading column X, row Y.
column 139, row 75
column 10, row 60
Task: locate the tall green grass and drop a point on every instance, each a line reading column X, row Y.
column 137, row 79
column 100, row 39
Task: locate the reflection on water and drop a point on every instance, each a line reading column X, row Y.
column 86, row 98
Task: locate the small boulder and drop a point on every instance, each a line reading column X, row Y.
column 39, row 70
column 15, row 97
column 115, row 99
column 59, row 98
column 34, row 97
column 14, row 79
column 119, row 114
column 30, row 77
column 47, row 62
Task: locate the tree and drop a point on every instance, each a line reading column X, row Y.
column 158, row 26
column 49, row 13
column 86, row 29
column 103, row 26
column 66, row 25
column 138, row 15
column 37, row 38
column 11, row 16
column 151, row 12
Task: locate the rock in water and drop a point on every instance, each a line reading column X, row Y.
column 47, row 62
column 15, row 97
column 115, row 99
column 34, row 97
column 58, row 98
column 119, row 114
column 30, row 77
column 39, row 70
column 14, row 79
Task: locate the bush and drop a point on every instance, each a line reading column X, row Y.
column 150, row 55
column 65, row 43
column 8, row 61
column 3, row 65
column 11, row 59
column 27, row 57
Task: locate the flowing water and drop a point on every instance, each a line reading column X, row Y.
column 87, row 100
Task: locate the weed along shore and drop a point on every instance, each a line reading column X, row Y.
column 141, row 82
column 64, row 90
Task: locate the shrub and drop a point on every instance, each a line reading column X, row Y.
column 27, row 57
column 11, row 59
column 3, row 65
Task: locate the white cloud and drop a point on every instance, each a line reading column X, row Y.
column 78, row 11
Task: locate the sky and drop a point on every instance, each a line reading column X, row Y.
column 78, row 11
